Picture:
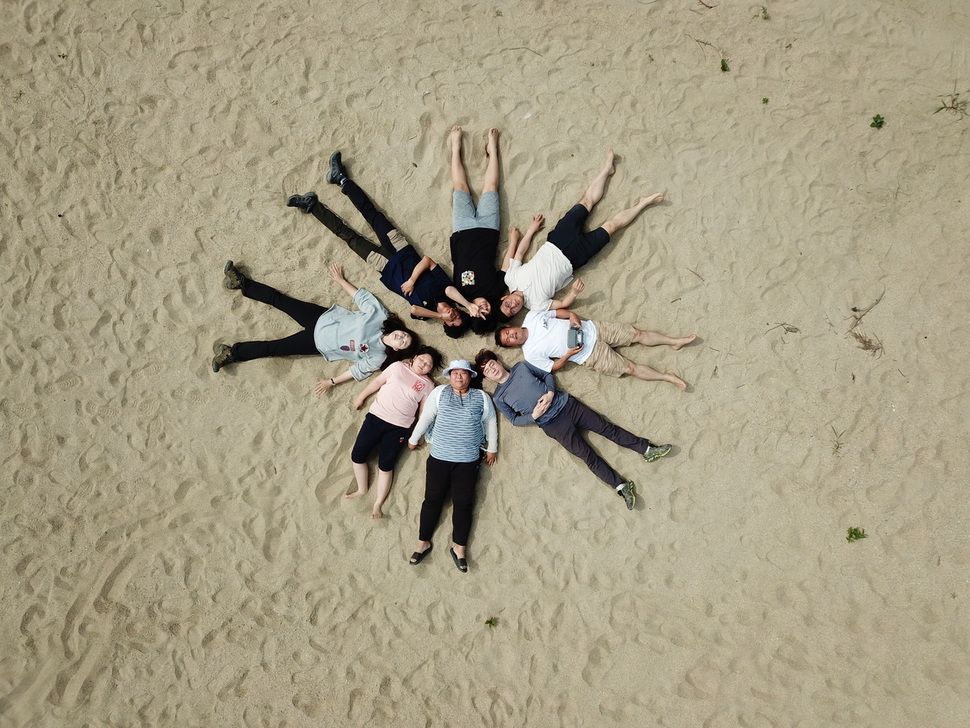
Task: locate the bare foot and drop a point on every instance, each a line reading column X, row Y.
column 651, row 200
column 377, row 512
column 609, row 167
column 491, row 146
column 456, row 137
column 356, row 494
column 683, row 341
column 675, row 380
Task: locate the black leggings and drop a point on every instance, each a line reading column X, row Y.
column 357, row 242
column 305, row 314
column 458, row 480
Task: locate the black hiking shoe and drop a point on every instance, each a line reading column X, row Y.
column 337, row 174
column 234, row 279
column 304, row 203
column 224, row 355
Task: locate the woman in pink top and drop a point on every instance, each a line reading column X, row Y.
column 401, row 391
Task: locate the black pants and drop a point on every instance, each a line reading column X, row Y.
column 457, row 479
column 305, row 314
column 575, row 416
column 357, row 242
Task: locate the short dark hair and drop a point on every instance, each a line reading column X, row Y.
column 498, row 335
column 456, row 332
column 485, row 325
column 483, row 357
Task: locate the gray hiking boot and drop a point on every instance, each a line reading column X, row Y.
column 656, row 451
column 234, row 279
column 337, row 174
column 629, row 494
column 224, row 355
column 303, row 202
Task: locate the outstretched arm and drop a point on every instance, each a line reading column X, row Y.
column 337, row 274
column 422, row 312
column 372, row 387
column 570, row 298
column 325, row 385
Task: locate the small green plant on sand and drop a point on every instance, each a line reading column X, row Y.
column 764, row 13
column 764, row 100
column 724, row 66
column 854, row 534
column 491, row 622
column 953, row 103
column 877, row 122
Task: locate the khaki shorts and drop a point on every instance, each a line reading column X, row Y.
column 603, row 359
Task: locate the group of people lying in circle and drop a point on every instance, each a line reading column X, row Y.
column 459, row 419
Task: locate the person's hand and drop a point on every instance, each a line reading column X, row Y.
column 578, row 285
column 475, row 310
column 570, row 353
column 323, row 386
column 542, row 406
column 514, row 235
column 358, row 402
column 574, row 322
column 407, row 288
column 538, row 221
column 336, row 273
column 491, row 458
column 411, row 446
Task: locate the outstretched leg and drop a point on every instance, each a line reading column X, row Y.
column 623, row 218
column 491, row 169
column 361, row 476
column 459, row 180
column 384, row 480
column 654, row 338
column 649, row 374
column 335, row 224
column 594, row 193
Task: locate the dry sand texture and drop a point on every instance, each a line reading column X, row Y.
column 176, row 550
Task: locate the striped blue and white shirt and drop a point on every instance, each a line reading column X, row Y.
column 457, row 427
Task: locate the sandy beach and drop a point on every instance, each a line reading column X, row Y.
column 176, row 547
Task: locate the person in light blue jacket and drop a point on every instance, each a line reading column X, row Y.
column 369, row 337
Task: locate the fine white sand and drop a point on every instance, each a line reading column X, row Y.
column 176, row 548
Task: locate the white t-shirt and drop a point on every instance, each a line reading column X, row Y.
column 540, row 278
column 548, row 339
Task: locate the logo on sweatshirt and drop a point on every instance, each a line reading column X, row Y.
column 352, row 346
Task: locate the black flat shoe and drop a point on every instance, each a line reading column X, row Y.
column 418, row 556
column 460, row 562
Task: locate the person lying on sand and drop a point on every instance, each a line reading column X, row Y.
column 475, row 233
column 370, row 337
column 551, row 338
column 568, row 248
column 419, row 280
column 527, row 395
column 401, row 392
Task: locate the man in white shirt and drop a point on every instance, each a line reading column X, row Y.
column 568, row 248
column 544, row 338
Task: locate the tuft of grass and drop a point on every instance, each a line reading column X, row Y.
column 837, row 441
column 954, row 104
column 765, row 15
column 877, row 122
column 764, row 100
column 855, row 534
column 491, row 622
column 724, row 66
